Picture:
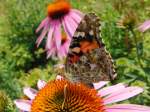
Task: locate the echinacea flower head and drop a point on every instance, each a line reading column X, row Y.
column 127, row 21
column 59, row 27
column 145, row 26
column 63, row 96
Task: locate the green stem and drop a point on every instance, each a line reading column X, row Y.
column 137, row 50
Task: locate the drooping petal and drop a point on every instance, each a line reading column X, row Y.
column 61, row 53
column 23, row 105
column 41, row 37
column 145, row 26
column 59, row 66
column 109, row 90
column 57, row 35
column 65, row 46
column 31, row 93
column 76, row 16
column 51, row 52
column 59, row 77
column 41, row 84
column 127, row 108
column 122, row 94
column 50, row 35
column 77, row 12
column 100, row 84
column 69, row 27
column 71, row 24
column 42, row 24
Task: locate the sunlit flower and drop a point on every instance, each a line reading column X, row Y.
column 145, row 26
column 63, row 96
column 61, row 18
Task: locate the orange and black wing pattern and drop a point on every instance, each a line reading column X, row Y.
column 87, row 60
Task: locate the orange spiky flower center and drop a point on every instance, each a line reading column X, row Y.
column 58, row 9
column 64, row 96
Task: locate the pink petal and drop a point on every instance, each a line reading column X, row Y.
column 65, row 47
column 61, row 53
column 42, row 24
column 69, row 26
column 31, row 93
column 100, row 84
column 59, row 77
column 76, row 15
column 41, row 84
column 41, row 37
column 59, row 66
column 122, row 94
column 109, row 90
column 145, row 26
column 23, row 105
column 71, row 22
column 50, row 35
column 77, row 12
column 51, row 52
column 57, row 35
column 127, row 108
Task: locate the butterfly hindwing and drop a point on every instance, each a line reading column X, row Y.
column 88, row 61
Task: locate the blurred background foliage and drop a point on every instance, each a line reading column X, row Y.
column 22, row 63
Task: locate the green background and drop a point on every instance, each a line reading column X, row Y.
column 22, row 64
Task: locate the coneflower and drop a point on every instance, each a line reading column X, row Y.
column 61, row 19
column 63, row 96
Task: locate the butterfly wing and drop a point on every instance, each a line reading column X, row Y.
column 87, row 60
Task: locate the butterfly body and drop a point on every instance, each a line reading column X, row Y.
column 88, row 61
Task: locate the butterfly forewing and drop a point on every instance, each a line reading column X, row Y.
column 87, row 60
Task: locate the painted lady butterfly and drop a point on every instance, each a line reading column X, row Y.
column 88, row 61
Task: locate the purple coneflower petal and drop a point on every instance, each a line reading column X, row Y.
column 100, row 84
column 66, row 46
column 127, row 108
column 31, row 93
column 42, row 24
column 51, row 52
column 41, row 37
column 64, row 49
column 61, row 53
column 41, row 84
column 50, row 36
column 69, row 26
column 72, row 25
column 109, row 90
column 58, row 77
column 76, row 16
column 23, row 105
column 122, row 94
column 145, row 26
column 78, row 12
column 57, row 35
column 59, row 66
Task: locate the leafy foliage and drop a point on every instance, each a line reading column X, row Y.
column 22, row 64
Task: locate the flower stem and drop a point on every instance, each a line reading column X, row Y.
column 136, row 44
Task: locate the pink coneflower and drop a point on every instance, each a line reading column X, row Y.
column 63, row 96
column 145, row 26
column 60, row 19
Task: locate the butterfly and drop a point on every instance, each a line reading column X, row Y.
column 88, row 60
